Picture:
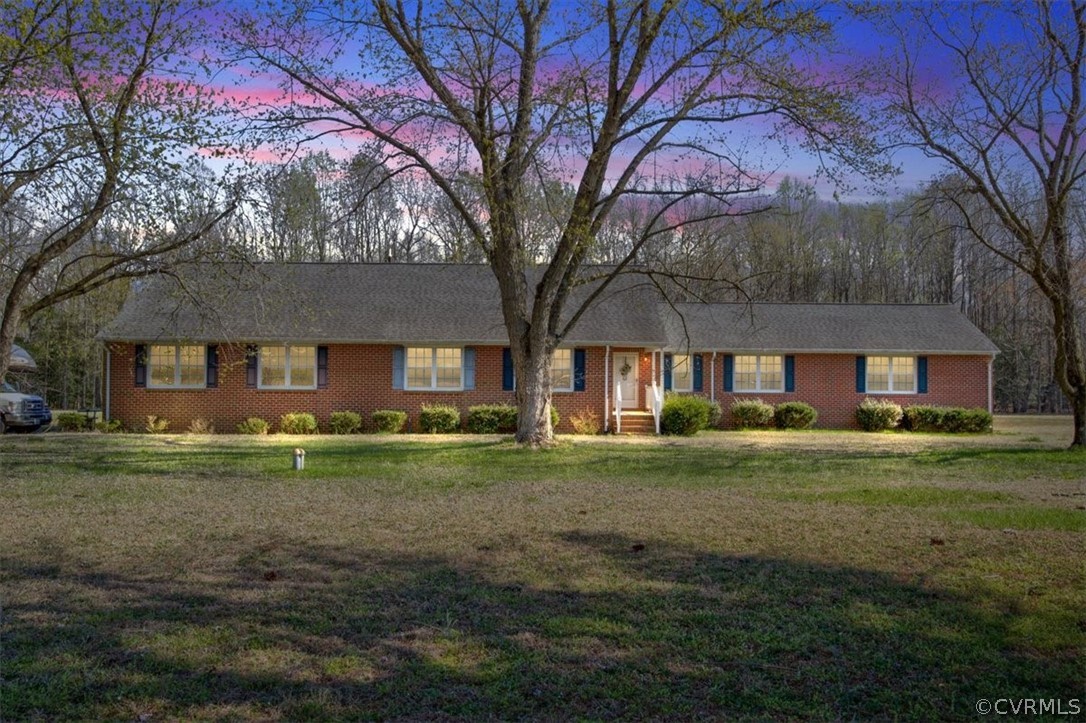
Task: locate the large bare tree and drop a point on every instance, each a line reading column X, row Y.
column 1005, row 110
column 99, row 119
column 615, row 99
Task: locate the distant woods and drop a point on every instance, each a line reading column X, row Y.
column 790, row 246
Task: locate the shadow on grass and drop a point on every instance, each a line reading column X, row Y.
column 671, row 632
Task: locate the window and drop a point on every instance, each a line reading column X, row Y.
column 682, row 377
column 562, row 370
column 430, row 368
column 288, row 367
column 759, row 374
column 177, row 366
column 893, row 374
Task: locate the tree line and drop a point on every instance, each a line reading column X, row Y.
column 788, row 246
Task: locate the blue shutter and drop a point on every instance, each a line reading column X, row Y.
column 141, row 365
column 397, row 367
column 322, row 367
column 469, row 367
column 729, row 372
column 789, row 373
column 507, row 370
column 667, row 372
column 578, row 370
column 251, row 353
column 212, row 366
column 922, row 375
column 861, row 374
column 697, row 372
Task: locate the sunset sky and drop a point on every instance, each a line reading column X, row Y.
column 858, row 42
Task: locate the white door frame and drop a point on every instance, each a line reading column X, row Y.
column 632, row 378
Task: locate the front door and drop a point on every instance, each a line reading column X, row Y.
column 626, row 377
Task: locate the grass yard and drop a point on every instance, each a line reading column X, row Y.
column 821, row 575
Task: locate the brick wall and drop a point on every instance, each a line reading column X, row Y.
column 360, row 380
column 828, row 383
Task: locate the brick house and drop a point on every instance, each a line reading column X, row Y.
column 265, row 339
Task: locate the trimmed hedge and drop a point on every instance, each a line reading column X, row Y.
column 685, row 415
column 752, row 414
column 929, row 418
column 389, row 421
column 253, row 425
column 439, row 419
column 794, row 415
column 298, row 423
column 492, row 419
column 345, row 422
column 877, row 415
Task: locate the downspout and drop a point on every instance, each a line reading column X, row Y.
column 712, row 378
column 607, row 389
column 105, row 384
column 991, row 377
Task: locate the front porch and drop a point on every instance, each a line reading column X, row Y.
column 634, row 384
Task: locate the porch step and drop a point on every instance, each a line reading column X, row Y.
column 636, row 422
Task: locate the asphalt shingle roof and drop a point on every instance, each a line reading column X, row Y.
column 934, row 328
column 459, row 304
column 360, row 303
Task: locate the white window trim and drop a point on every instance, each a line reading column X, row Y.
column 572, row 373
column 890, row 374
column 433, row 370
column 758, row 389
column 284, row 387
column 151, row 384
column 690, row 375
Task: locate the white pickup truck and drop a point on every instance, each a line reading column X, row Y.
column 17, row 410
column 22, row 411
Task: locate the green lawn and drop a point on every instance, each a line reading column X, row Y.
column 765, row 575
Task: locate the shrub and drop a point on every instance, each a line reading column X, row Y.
column 345, row 422
column 794, row 415
column 974, row 421
column 555, row 418
column 585, row 422
column 439, row 419
column 253, row 425
column 389, row 421
column 751, row 414
column 684, row 415
column 876, row 415
column 716, row 415
column 70, row 421
column 156, row 424
column 923, row 418
column 928, row 418
column 298, row 423
column 113, row 426
column 201, row 426
column 492, row 419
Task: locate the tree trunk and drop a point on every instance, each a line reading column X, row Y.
column 1079, row 409
column 533, row 380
